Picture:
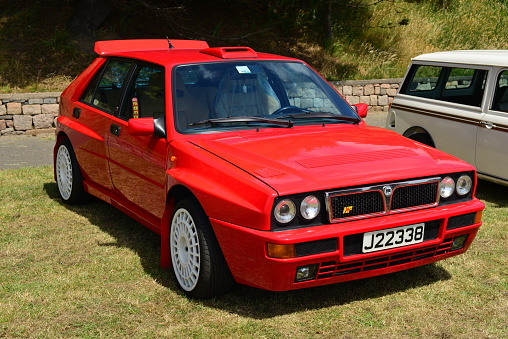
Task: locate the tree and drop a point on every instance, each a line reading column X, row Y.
column 89, row 15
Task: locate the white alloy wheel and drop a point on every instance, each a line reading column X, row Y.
column 185, row 250
column 64, row 172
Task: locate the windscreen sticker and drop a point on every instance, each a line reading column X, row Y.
column 135, row 108
column 243, row 69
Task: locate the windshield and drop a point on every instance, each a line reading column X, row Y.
column 227, row 95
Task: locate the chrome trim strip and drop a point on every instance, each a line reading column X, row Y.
column 387, row 201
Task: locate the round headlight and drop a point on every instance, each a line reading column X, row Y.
column 309, row 208
column 464, row 185
column 285, row 211
column 447, row 187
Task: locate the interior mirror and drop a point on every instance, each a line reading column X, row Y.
column 361, row 109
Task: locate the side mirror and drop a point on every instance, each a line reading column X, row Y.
column 361, row 109
column 148, row 127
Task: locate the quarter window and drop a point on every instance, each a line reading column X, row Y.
column 425, row 78
column 104, row 91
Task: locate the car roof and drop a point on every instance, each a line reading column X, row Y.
column 475, row 57
column 170, row 52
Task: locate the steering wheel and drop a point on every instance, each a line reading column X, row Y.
column 285, row 108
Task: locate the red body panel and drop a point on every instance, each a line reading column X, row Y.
column 237, row 175
column 245, row 249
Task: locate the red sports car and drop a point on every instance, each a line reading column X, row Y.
column 253, row 169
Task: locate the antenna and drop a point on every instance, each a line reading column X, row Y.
column 169, row 42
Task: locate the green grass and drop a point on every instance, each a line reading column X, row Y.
column 92, row 272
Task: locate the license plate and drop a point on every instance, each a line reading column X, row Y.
column 393, row 237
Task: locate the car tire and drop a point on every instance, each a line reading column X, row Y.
column 422, row 138
column 68, row 175
column 198, row 262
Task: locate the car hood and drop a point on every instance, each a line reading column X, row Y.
column 309, row 159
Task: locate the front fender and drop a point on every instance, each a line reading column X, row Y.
column 225, row 191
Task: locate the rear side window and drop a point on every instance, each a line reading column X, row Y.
column 452, row 84
column 105, row 89
column 425, row 79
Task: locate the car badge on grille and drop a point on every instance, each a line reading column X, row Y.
column 387, row 190
column 347, row 209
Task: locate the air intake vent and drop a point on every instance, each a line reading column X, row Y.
column 230, row 52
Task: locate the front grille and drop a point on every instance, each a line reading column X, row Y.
column 352, row 205
column 415, row 195
column 331, row 269
column 381, row 199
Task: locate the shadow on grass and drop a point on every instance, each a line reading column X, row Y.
column 492, row 193
column 243, row 300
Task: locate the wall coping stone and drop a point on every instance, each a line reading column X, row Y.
column 364, row 82
column 26, row 96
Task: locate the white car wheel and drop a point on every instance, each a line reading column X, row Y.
column 185, row 252
column 68, row 174
column 198, row 262
column 63, row 168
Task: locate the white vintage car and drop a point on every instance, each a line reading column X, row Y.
column 458, row 102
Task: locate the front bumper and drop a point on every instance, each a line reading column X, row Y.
column 245, row 249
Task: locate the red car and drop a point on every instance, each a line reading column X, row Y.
column 253, row 169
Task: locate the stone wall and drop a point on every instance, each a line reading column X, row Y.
column 29, row 113
column 378, row 94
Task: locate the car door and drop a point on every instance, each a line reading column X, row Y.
column 138, row 163
column 492, row 140
column 94, row 112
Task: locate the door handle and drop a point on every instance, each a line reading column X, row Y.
column 76, row 112
column 487, row 124
column 115, row 130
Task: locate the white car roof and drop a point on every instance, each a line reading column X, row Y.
column 471, row 57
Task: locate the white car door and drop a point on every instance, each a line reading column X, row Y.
column 492, row 137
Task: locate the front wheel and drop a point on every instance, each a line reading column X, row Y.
column 198, row 263
column 68, row 175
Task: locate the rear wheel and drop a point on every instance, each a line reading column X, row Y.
column 68, row 175
column 198, row 263
column 423, row 138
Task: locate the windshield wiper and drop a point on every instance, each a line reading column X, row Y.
column 319, row 115
column 286, row 123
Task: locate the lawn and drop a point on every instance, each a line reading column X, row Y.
column 91, row 272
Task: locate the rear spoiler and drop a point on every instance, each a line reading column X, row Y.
column 117, row 46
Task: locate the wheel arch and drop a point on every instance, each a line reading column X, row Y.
column 419, row 134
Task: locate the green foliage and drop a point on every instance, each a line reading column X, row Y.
column 369, row 39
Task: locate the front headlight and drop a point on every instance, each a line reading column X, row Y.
column 464, row 185
column 309, row 208
column 285, row 211
column 446, row 187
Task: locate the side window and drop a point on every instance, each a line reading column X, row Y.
column 500, row 102
column 452, row 84
column 460, row 78
column 464, row 86
column 145, row 97
column 105, row 89
column 425, row 79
